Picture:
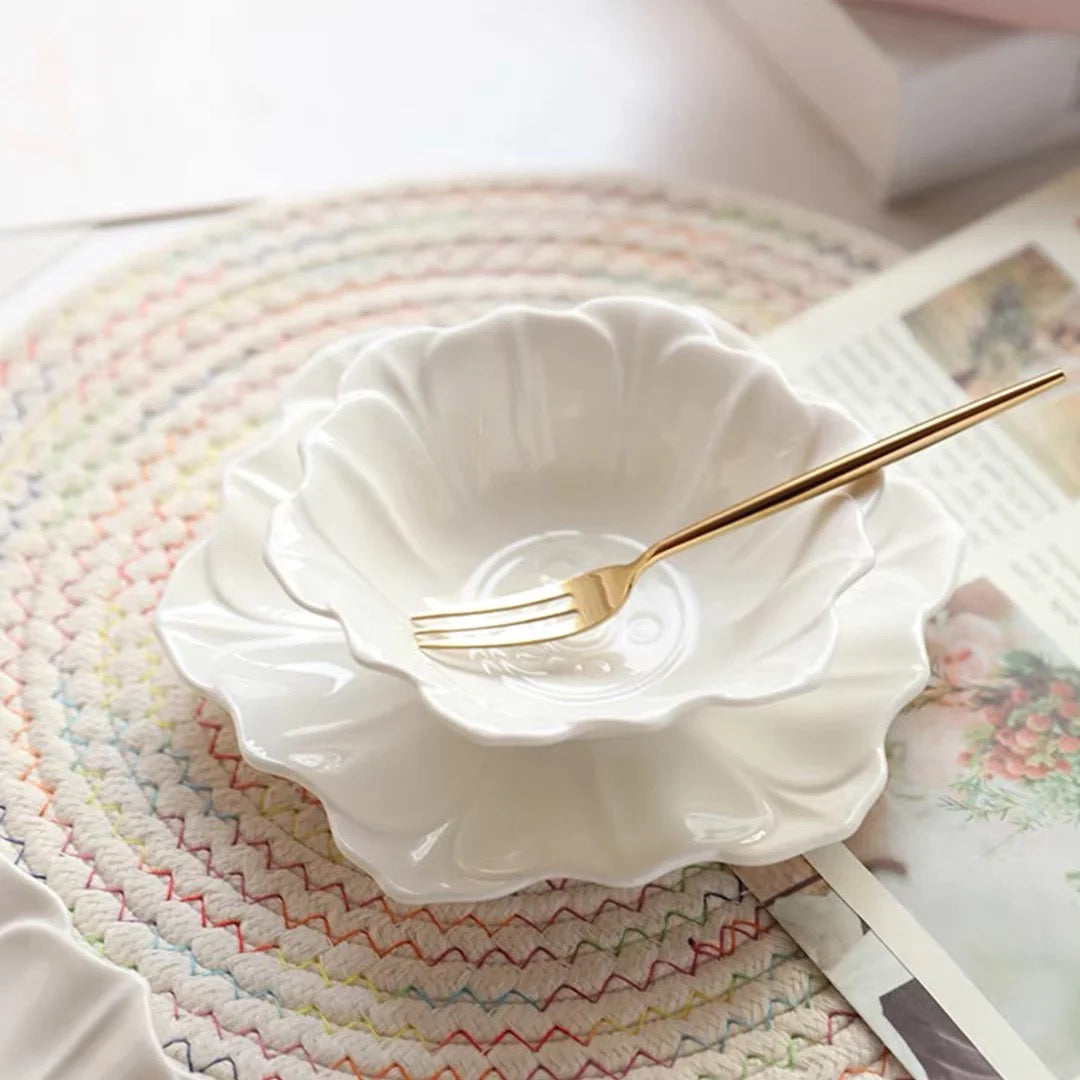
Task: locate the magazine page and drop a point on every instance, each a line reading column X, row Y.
column 968, row 867
column 915, row 1027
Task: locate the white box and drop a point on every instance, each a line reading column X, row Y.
column 922, row 98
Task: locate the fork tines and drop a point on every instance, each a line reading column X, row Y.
column 512, row 620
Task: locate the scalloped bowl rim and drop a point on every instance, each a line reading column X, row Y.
column 728, row 339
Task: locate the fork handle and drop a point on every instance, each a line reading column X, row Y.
column 850, row 467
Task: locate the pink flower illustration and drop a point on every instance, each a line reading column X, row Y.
column 965, row 649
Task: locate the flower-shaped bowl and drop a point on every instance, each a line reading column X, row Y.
column 459, row 464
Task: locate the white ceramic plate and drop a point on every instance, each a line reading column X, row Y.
column 66, row 1013
column 435, row 815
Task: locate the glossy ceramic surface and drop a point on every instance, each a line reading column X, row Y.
column 435, row 815
column 531, row 444
column 66, row 1012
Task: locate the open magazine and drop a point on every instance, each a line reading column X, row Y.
column 951, row 919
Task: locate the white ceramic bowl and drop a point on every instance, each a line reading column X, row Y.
column 532, row 444
column 434, row 815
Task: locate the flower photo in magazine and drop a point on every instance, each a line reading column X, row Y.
column 978, row 833
column 1008, row 322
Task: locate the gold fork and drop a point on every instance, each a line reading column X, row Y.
column 579, row 603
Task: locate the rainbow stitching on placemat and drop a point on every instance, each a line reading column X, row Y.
column 315, row 275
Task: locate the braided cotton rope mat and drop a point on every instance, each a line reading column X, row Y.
column 267, row 955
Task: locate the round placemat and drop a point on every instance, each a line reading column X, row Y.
column 265, row 953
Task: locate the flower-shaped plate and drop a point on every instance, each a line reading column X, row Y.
column 434, row 815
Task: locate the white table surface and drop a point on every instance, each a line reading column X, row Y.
column 667, row 88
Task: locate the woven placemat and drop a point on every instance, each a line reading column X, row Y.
column 265, row 953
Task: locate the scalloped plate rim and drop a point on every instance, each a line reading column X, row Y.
column 471, row 889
